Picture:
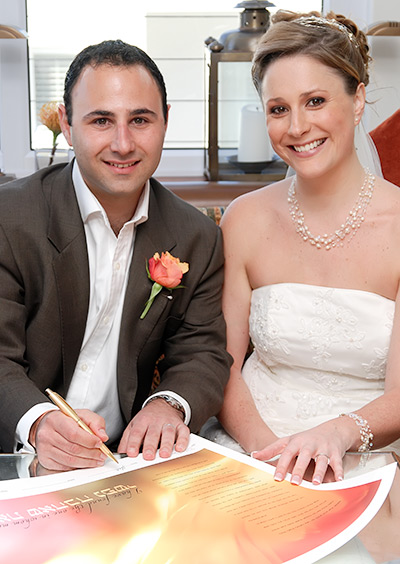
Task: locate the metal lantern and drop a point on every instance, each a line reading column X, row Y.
column 238, row 145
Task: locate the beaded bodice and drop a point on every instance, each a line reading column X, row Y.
column 317, row 351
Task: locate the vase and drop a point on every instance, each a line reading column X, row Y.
column 43, row 157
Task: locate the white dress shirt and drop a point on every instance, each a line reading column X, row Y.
column 94, row 382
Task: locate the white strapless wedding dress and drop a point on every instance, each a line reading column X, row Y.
column 318, row 352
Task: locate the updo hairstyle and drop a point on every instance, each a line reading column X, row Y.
column 334, row 40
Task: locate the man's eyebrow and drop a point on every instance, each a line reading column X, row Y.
column 97, row 113
column 106, row 113
column 141, row 111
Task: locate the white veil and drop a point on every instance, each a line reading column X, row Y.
column 366, row 151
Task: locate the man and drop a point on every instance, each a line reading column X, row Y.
column 75, row 241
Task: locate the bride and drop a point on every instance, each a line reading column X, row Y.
column 313, row 266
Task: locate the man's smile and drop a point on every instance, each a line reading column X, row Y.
column 122, row 165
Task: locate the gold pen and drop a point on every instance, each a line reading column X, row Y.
column 67, row 410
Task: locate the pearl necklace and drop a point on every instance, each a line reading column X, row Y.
column 348, row 228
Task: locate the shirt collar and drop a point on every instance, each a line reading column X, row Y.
column 89, row 204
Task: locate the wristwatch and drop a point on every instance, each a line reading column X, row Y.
column 171, row 401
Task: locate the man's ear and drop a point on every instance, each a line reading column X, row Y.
column 167, row 117
column 65, row 127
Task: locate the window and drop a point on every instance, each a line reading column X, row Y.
column 172, row 35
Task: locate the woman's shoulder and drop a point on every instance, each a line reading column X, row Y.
column 381, row 182
column 258, row 203
column 387, row 197
column 385, row 215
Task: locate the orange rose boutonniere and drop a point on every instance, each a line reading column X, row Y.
column 166, row 272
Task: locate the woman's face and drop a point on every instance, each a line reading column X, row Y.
column 310, row 116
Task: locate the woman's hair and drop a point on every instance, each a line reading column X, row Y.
column 334, row 40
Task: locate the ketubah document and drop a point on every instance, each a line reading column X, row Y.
column 209, row 505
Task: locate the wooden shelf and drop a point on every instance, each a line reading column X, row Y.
column 201, row 192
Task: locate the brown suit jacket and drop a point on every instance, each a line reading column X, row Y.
column 44, row 297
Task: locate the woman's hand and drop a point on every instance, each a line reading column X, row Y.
column 323, row 445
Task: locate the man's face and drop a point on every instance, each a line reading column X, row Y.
column 117, row 129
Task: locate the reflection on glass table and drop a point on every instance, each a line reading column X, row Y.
column 379, row 541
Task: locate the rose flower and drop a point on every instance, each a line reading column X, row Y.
column 167, row 270
column 48, row 115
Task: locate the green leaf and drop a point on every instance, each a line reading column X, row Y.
column 155, row 290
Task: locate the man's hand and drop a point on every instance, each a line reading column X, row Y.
column 62, row 445
column 157, row 425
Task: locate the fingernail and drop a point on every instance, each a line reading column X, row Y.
column 340, row 479
column 278, row 477
column 316, row 480
column 295, row 480
column 253, row 453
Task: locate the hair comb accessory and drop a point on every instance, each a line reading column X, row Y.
column 318, row 21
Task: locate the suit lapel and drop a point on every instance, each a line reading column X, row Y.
column 151, row 237
column 71, row 267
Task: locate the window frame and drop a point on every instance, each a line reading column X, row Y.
column 18, row 158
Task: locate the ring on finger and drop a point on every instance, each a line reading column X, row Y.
column 322, row 454
column 168, row 425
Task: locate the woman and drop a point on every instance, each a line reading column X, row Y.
column 315, row 284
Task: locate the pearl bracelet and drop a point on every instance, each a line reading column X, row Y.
column 366, row 434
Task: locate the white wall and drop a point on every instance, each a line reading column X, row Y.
column 16, row 156
column 14, row 102
column 384, row 88
column 180, row 57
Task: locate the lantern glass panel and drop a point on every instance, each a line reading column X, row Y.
column 235, row 89
column 235, row 122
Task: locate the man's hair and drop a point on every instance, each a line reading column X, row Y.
column 115, row 53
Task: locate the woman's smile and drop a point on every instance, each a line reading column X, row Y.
column 308, row 146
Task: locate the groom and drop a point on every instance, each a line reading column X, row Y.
column 75, row 241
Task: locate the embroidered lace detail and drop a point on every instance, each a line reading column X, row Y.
column 313, row 405
column 318, row 352
column 330, row 326
column 376, row 368
column 264, row 330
